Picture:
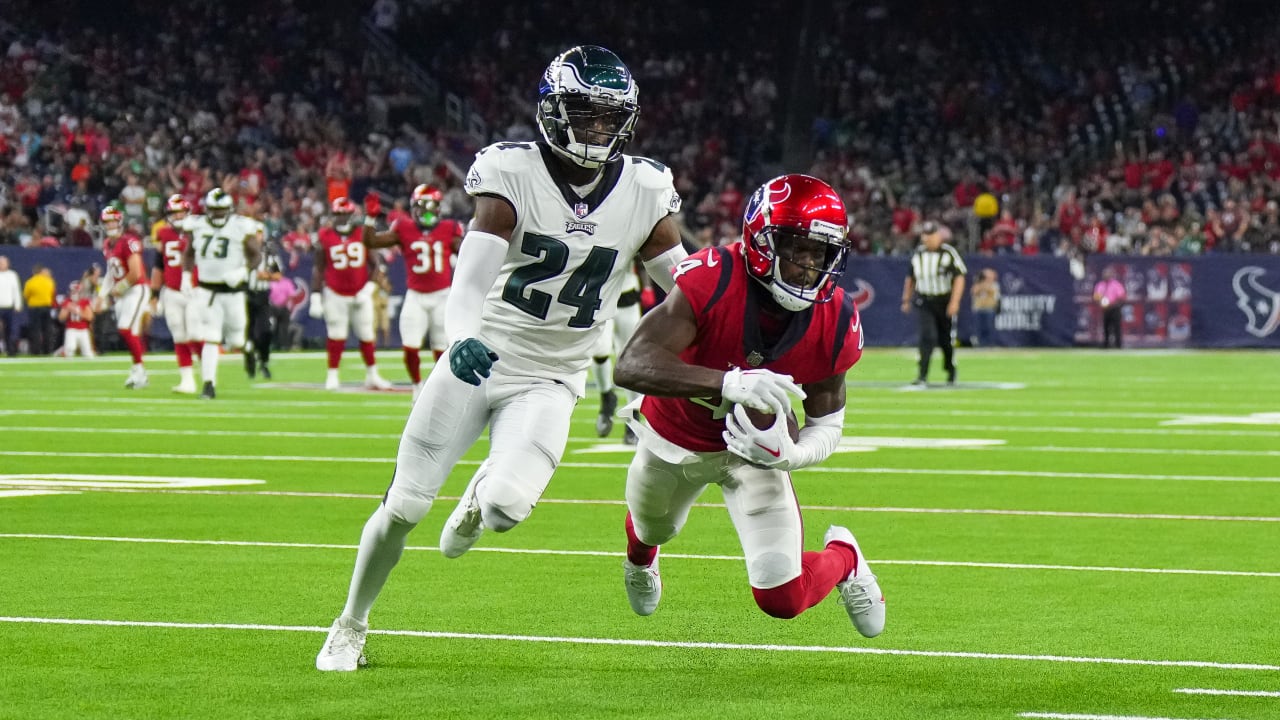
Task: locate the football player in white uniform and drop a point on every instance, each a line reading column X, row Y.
column 223, row 248
column 539, row 272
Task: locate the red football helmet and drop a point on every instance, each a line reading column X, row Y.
column 795, row 239
column 425, row 204
column 112, row 221
column 177, row 207
column 344, row 213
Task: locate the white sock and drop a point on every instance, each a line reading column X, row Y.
column 381, row 545
column 185, row 376
column 138, row 369
column 602, row 373
column 332, row 375
column 209, row 362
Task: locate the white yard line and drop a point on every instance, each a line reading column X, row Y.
column 1064, row 429
column 604, row 553
column 1233, row 693
column 1079, row 716
column 970, row 472
column 633, row 642
column 594, row 440
column 826, row 508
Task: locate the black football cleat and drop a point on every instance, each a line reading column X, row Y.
column 208, row 393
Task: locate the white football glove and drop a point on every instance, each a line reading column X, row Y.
column 316, row 309
column 761, row 390
column 770, row 447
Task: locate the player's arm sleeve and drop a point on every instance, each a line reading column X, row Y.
column 662, row 251
column 661, row 267
column 819, row 438
column 479, row 264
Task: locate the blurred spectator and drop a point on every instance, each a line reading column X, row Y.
column 10, row 306
column 985, row 299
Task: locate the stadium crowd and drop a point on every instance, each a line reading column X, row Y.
column 1145, row 129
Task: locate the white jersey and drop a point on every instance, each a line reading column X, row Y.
column 570, row 257
column 219, row 251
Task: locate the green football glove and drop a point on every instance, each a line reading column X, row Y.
column 470, row 360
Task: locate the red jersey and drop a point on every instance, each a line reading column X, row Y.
column 77, row 312
column 118, row 253
column 428, row 255
column 818, row 343
column 171, row 244
column 346, row 267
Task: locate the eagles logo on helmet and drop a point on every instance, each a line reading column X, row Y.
column 217, row 206
column 794, row 238
column 588, row 104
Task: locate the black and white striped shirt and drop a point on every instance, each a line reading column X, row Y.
column 269, row 263
column 933, row 271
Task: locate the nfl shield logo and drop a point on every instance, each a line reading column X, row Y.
column 581, row 210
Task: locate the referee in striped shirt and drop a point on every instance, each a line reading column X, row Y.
column 257, row 352
column 936, row 283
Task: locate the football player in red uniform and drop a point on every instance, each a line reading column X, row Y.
column 342, row 293
column 171, row 287
column 766, row 313
column 125, row 283
column 76, row 312
column 428, row 244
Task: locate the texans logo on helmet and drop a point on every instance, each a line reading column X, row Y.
column 766, row 197
column 1259, row 303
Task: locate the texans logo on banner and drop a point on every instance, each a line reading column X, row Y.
column 1259, row 303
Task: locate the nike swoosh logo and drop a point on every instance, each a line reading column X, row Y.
column 713, row 259
column 771, row 451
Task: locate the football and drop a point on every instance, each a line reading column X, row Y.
column 762, row 420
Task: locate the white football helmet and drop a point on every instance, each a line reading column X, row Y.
column 217, row 207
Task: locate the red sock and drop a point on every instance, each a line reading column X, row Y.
column 134, row 343
column 819, row 574
column 366, row 352
column 437, row 354
column 183, row 351
column 197, row 347
column 637, row 552
column 413, row 363
column 335, row 352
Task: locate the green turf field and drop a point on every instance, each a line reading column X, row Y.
column 1067, row 534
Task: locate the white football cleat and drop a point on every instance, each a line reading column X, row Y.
column 186, row 387
column 343, row 650
column 374, row 381
column 137, row 379
column 644, row 586
column 465, row 525
column 859, row 593
column 331, row 381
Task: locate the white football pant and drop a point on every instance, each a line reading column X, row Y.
column 177, row 311
column 219, row 317
column 78, row 340
column 130, row 308
column 355, row 311
column 423, row 314
column 664, row 481
column 528, row 421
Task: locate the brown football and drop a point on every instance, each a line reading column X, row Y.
column 763, row 420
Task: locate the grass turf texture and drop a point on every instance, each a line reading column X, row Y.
column 1086, row 434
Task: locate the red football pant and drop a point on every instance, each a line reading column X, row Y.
column 820, row 572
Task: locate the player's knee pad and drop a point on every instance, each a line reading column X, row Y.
column 784, row 601
column 406, row 507
column 772, row 569
column 654, row 531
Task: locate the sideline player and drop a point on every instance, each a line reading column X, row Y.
column 171, row 287
column 342, row 294
column 125, row 283
column 428, row 245
column 75, row 313
column 541, row 268
column 223, row 248
column 770, row 302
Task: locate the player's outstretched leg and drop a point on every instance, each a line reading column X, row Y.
column 859, row 592
column 640, row 573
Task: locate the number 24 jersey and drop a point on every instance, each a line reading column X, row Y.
column 569, row 254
